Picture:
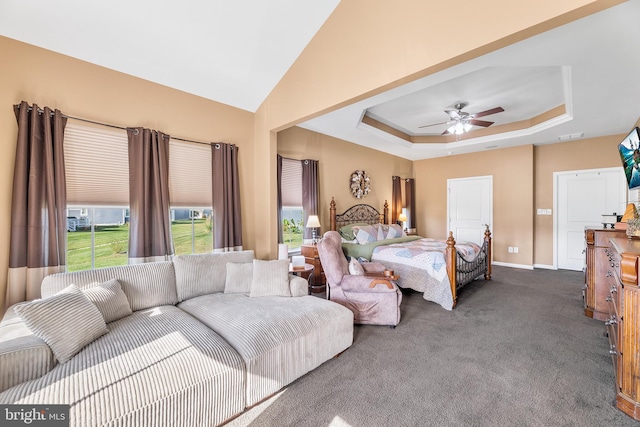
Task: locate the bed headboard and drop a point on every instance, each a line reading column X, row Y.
column 359, row 213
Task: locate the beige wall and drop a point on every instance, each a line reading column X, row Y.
column 337, row 159
column 512, row 172
column 593, row 153
column 80, row 89
column 366, row 47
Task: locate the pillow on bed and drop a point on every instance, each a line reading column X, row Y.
column 394, row 232
column 365, row 234
column 347, row 231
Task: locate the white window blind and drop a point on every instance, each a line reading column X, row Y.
column 291, row 184
column 96, row 166
column 189, row 174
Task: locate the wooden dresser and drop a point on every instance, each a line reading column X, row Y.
column 623, row 322
column 310, row 253
column 596, row 288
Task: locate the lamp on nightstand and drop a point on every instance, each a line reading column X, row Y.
column 313, row 222
column 402, row 218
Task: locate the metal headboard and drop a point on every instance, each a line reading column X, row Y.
column 360, row 213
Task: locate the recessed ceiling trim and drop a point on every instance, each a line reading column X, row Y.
column 534, row 124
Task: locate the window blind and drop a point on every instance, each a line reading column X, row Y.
column 97, row 169
column 96, row 166
column 189, row 174
column 291, row 184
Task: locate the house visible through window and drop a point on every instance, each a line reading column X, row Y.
column 292, row 214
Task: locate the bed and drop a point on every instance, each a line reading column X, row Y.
column 437, row 268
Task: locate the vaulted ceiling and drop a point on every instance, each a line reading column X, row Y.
column 580, row 80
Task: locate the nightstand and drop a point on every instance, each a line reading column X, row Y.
column 310, row 253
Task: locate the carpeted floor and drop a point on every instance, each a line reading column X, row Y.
column 516, row 351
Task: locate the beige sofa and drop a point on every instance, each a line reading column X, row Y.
column 192, row 352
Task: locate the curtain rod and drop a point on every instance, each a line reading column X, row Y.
column 40, row 110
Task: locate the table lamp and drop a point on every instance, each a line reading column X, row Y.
column 402, row 218
column 313, row 222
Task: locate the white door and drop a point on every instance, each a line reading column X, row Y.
column 470, row 207
column 582, row 197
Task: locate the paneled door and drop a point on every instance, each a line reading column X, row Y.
column 582, row 197
column 470, row 207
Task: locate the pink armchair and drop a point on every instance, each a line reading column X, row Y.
column 372, row 300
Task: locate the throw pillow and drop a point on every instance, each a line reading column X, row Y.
column 395, row 231
column 270, row 278
column 347, row 231
column 365, row 234
column 66, row 321
column 383, row 229
column 355, row 268
column 110, row 300
column 239, row 277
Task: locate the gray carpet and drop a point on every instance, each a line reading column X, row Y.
column 517, row 351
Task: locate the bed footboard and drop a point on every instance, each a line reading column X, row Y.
column 461, row 271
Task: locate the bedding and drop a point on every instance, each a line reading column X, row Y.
column 356, row 250
column 421, row 265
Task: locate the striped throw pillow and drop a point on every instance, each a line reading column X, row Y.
column 270, row 278
column 110, row 300
column 66, row 321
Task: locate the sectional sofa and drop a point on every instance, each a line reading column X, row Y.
column 191, row 342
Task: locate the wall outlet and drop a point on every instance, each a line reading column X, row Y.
column 510, row 249
column 540, row 211
column 515, row 249
column 548, row 211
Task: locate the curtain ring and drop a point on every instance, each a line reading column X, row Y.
column 306, row 162
column 217, row 146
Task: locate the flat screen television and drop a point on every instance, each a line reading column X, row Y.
column 629, row 150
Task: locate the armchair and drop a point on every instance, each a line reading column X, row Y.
column 372, row 299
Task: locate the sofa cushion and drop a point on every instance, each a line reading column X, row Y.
column 23, row 356
column 205, row 273
column 156, row 367
column 66, row 321
column 280, row 339
column 239, row 277
column 270, row 278
column 145, row 285
column 110, row 300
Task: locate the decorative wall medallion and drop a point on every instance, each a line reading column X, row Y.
column 360, row 184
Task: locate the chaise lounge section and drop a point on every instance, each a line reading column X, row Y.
column 199, row 347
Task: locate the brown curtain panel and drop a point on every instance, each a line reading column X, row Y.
column 39, row 202
column 227, row 219
column 410, row 201
column 310, row 194
column 150, row 223
column 396, row 199
column 279, row 179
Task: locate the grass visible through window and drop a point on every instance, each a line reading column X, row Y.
column 112, row 242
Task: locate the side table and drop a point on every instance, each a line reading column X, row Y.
column 305, row 272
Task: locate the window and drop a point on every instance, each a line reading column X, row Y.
column 292, row 214
column 191, row 197
column 192, row 230
column 97, row 172
column 98, row 239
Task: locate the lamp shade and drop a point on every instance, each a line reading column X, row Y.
column 402, row 217
column 313, row 222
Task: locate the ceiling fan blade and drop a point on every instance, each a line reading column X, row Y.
column 482, row 123
column 488, row 112
column 435, row 124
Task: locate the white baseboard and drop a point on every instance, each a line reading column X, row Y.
column 545, row 266
column 508, row 264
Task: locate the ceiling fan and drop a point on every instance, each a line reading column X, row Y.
column 462, row 122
